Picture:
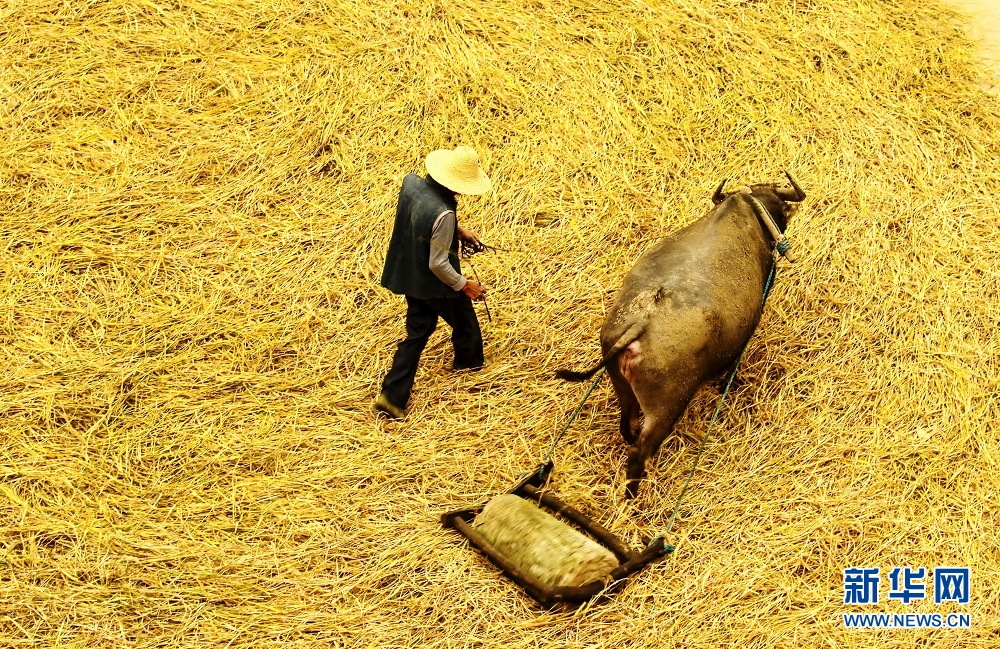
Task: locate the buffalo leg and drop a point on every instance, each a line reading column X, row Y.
column 622, row 370
column 631, row 414
column 658, row 422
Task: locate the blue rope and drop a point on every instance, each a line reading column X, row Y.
column 552, row 448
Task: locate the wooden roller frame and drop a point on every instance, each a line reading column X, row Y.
column 530, row 488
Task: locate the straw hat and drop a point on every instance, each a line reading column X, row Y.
column 458, row 170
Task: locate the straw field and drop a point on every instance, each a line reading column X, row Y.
column 196, row 198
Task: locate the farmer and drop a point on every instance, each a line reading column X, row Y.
column 422, row 264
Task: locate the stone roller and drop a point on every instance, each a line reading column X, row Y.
column 541, row 545
column 551, row 560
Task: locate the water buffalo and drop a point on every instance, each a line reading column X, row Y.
column 686, row 310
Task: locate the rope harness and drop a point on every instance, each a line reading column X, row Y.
column 781, row 247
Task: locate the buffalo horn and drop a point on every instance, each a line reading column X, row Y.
column 794, row 193
column 718, row 196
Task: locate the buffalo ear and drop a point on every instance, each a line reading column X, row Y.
column 718, row 196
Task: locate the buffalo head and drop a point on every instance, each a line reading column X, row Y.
column 780, row 202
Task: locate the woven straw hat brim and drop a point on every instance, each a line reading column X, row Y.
column 444, row 167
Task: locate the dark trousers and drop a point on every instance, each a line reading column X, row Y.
column 421, row 320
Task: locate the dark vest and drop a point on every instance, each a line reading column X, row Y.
column 407, row 270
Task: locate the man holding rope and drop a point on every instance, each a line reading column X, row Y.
column 422, row 264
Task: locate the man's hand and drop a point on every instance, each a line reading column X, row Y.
column 474, row 290
column 470, row 240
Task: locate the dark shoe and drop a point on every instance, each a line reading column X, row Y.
column 474, row 368
column 383, row 405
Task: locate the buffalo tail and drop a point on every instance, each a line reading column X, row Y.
column 576, row 377
column 626, row 339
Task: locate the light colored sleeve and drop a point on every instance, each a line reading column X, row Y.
column 442, row 234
